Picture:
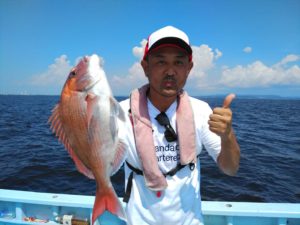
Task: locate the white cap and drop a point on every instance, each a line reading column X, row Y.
column 168, row 36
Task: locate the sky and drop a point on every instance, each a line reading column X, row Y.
column 246, row 47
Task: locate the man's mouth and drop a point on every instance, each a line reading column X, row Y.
column 169, row 82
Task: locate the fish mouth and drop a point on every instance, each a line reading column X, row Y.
column 91, row 85
column 92, row 77
column 87, row 74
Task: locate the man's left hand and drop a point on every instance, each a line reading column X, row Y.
column 220, row 121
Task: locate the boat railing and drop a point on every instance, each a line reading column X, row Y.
column 23, row 207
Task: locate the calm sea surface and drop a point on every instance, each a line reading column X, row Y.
column 268, row 131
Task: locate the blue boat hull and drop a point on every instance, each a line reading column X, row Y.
column 17, row 207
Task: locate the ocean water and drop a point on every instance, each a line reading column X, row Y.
column 268, row 131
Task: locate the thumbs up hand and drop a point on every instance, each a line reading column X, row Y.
column 220, row 121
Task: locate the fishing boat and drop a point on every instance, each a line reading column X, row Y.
column 24, row 207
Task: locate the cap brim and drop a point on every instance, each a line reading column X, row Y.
column 172, row 41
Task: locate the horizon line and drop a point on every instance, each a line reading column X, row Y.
column 244, row 96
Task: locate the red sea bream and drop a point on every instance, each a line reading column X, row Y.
column 85, row 121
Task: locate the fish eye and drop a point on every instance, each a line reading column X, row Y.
column 72, row 73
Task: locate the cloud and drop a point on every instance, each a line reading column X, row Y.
column 53, row 78
column 138, row 51
column 55, row 74
column 135, row 77
column 288, row 59
column 204, row 59
column 257, row 74
column 247, row 49
column 218, row 54
column 206, row 75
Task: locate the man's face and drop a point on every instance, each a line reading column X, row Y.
column 167, row 69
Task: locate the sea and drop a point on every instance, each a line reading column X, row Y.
column 267, row 129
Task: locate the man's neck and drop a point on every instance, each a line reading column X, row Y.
column 162, row 103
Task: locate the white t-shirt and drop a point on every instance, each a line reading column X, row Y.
column 180, row 202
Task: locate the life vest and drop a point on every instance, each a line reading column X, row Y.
column 142, row 128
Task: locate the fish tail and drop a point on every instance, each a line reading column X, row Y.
column 107, row 200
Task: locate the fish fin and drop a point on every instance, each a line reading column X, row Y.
column 107, row 200
column 90, row 99
column 93, row 112
column 79, row 165
column 119, row 157
column 116, row 109
column 57, row 128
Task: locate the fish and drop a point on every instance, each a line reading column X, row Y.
column 85, row 120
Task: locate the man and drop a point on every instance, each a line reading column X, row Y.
column 166, row 132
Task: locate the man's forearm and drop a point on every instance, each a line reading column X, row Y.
column 229, row 158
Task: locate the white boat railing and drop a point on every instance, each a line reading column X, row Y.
column 23, row 207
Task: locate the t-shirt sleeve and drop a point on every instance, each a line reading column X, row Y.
column 126, row 134
column 208, row 139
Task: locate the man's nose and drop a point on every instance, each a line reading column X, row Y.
column 170, row 71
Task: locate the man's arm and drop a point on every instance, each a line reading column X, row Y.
column 220, row 122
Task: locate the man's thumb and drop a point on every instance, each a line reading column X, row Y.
column 228, row 100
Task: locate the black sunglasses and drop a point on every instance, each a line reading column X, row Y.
column 163, row 120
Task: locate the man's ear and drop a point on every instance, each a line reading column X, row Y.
column 144, row 64
column 191, row 64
